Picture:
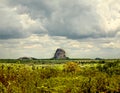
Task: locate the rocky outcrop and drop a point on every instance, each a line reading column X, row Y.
column 60, row 54
column 26, row 58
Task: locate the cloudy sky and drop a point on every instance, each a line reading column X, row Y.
column 83, row 28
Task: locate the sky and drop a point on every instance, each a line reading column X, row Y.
column 83, row 28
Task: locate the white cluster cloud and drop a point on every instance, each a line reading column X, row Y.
column 84, row 28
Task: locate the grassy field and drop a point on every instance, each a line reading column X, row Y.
column 60, row 76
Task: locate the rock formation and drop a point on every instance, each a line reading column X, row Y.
column 60, row 54
column 26, row 58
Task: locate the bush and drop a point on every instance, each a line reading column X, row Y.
column 110, row 68
column 71, row 67
column 47, row 72
column 19, row 78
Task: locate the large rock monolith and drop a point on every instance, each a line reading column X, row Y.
column 60, row 54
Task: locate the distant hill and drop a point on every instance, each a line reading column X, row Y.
column 27, row 58
column 98, row 58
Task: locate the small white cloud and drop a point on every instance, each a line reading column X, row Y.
column 113, row 45
column 26, row 21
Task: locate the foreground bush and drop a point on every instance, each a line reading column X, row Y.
column 25, row 79
column 71, row 67
column 110, row 68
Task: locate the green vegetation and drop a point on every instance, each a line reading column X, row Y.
column 100, row 76
column 58, row 61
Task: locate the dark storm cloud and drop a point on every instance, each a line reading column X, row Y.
column 72, row 19
column 35, row 8
column 75, row 20
column 11, row 33
column 10, row 27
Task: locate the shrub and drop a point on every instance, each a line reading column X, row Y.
column 71, row 67
column 47, row 72
column 110, row 68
